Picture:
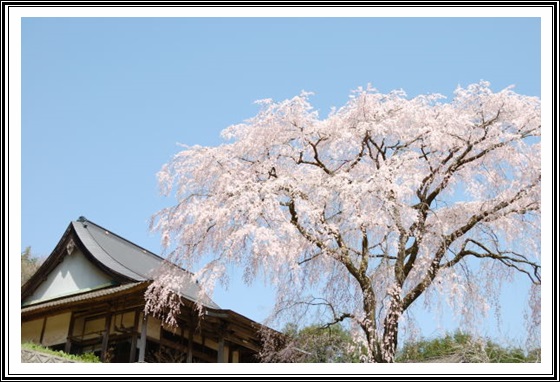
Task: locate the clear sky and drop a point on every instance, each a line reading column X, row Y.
column 106, row 100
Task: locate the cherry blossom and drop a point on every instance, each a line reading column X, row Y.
column 362, row 212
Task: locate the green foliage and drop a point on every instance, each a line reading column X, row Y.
column 317, row 344
column 29, row 265
column 86, row 357
column 335, row 344
column 461, row 347
column 498, row 354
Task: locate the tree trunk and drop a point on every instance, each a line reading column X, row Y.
column 388, row 346
column 390, row 335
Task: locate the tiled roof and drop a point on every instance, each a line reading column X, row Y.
column 80, row 297
column 127, row 258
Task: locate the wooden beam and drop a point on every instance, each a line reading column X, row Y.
column 134, row 297
column 190, row 345
column 68, row 346
column 142, row 344
column 134, row 338
column 221, row 350
column 43, row 330
column 106, row 333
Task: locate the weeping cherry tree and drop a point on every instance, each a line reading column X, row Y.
column 359, row 214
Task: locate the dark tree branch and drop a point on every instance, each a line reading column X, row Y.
column 488, row 214
column 317, row 162
column 426, row 281
column 309, row 259
column 337, row 319
column 502, row 256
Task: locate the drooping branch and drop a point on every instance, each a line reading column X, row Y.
column 516, row 260
column 321, row 302
column 491, row 213
column 309, row 259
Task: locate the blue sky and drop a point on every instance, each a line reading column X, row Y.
column 106, row 100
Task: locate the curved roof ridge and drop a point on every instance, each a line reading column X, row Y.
column 95, row 248
column 128, row 258
column 83, row 219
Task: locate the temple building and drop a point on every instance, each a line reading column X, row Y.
column 88, row 296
